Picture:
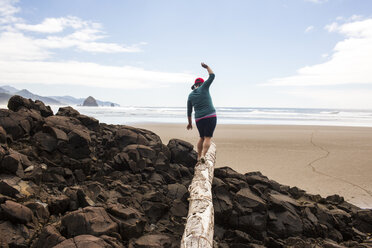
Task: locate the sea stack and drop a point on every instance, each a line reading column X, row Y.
column 90, row 101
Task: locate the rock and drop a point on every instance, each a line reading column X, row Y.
column 182, row 152
column 90, row 101
column 154, row 210
column 83, row 241
column 55, row 132
column 12, row 164
column 286, row 224
column 253, row 223
column 39, row 210
column 17, row 102
column 87, row 121
column 125, row 136
column 78, row 144
column 45, row 142
column 3, row 136
column 222, row 203
column 58, row 204
column 177, row 191
column 15, row 187
column 49, row 237
column 11, row 122
column 152, row 241
column 14, row 235
column 179, row 208
column 227, row 172
column 67, row 111
column 89, row 220
column 16, row 212
column 247, row 199
column 131, row 222
column 282, row 202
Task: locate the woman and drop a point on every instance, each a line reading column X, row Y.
column 205, row 113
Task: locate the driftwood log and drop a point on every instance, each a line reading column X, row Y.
column 200, row 219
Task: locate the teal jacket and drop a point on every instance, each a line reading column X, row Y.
column 201, row 100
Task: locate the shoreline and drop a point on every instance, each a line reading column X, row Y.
column 323, row 160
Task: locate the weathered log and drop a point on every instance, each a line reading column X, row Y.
column 200, row 219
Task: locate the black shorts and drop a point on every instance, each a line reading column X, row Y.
column 206, row 126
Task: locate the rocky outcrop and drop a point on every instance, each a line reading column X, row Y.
column 90, row 101
column 67, row 180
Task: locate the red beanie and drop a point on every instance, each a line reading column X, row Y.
column 199, row 80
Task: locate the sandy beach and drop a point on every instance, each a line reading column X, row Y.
column 319, row 159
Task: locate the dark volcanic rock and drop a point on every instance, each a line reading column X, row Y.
column 49, row 237
column 67, row 111
column 182, row 152
column 90, row 101
column 17, row 102
column 67, row 180
column 153, row 241
column 89, row 220
column 16, row 212
column 83, row 241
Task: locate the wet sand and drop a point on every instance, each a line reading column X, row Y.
column 319, row 159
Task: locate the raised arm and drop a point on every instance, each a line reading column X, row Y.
column 208, row 68
column 210, row 79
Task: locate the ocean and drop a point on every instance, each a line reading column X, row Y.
column 231, row 115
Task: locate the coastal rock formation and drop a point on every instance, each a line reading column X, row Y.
column 67, row 180
column 90, row 101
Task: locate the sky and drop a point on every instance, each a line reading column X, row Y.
column 265, row 53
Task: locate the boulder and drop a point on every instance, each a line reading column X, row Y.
column 83, row 241
column 17, row 102
column 67, row 111
column 88, row 121
column 16, row 212
column 14, row 235
column 11, row 122
column 45, row 141
column 12, row 164
column 247, row 199
column 39, row 210
column 78, row 144
column 177, row 191
column 131, row 222
column 3, row 136
column 182, row 152
column 49, row 237
column 152, row 241
column 89, row 220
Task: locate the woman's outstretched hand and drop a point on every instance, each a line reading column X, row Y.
column 189, row 126
column 204, row 65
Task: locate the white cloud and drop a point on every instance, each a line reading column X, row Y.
column 309, row 28
column 79, row 34
column 16, row 46
column 7, row 11
column 87, row 74
column 55, row 25
column 29, row 59
column 350, row 62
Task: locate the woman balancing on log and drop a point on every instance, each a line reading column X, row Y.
column 205, row 113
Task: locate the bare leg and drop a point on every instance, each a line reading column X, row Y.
column 206, row 145
column 200, row 147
